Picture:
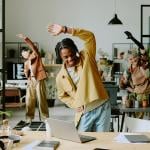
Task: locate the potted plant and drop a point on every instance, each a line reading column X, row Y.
column 144, row 100
column 42, row 54
column 129, row 102
column 51, row 95
column 6, row 113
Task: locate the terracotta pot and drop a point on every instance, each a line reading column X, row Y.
column 144, row 103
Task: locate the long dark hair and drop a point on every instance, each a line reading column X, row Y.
column 65, row 43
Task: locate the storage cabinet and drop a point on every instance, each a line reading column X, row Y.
column 14, row 60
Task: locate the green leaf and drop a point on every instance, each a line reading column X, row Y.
column 7, row 113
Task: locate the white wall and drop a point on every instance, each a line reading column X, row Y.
column 32, row 16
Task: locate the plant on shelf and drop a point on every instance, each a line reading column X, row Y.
column 51, row 95
column 42, row 53
column 131, row 99
column 145, row 98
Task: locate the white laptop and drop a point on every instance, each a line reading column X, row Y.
column 67, row 130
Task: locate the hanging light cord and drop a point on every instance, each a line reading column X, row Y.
column 115, row 6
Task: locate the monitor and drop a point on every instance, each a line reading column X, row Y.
column 15, row 71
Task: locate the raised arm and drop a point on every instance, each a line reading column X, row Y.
column 87, row 36
column 28, row 42
column 56, row 29
column 130, row 36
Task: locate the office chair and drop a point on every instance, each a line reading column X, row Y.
column 112, row 90
column 13, row 94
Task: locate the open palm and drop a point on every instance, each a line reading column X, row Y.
column 55, row 29
column 21, row 36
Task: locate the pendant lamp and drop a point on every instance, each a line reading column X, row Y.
column 115, row 20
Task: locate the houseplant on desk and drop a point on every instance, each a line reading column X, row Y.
column 6, row 113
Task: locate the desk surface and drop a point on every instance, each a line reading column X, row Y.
column 122, row 108
column 104, row 140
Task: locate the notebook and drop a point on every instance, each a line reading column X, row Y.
column 67, row 130
column 140, row 138
column 46, row 145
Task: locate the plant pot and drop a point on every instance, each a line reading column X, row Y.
column 144, row 103
column 129, row 103
column 51, row 102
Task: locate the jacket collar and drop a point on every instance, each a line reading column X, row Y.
column 65, row 75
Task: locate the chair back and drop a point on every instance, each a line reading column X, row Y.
column 137, row 125
column 112, row 90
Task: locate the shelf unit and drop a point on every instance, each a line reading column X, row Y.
column 120, row 64
column 2, row 54
column 13, row 51
column 13, row 57
column 143, row 7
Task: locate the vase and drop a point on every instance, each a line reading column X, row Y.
column 129, row 103
column 43, row 60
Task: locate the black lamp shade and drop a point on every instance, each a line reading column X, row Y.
column 115, row 20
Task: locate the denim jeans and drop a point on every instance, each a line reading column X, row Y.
column 97, row 120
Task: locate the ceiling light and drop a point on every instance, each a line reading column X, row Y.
column 115, row 20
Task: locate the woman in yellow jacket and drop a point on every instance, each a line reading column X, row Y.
column 79, row 83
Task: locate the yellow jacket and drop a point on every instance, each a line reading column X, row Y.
column 90, row 86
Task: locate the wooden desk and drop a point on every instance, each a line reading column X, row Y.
column 104, row 140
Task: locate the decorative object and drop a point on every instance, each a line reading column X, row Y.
column 144, row 100
column 105, row 67
column 5, row 113
column 115, row 20
column 51, row 94
column 42, row 52
column 130, row 101
column 50, row 57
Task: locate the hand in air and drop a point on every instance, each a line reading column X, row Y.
column 21, row 36
column 55, row 29
column 129, row 35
